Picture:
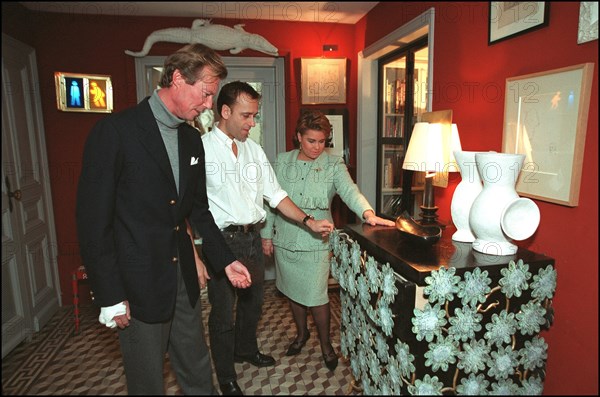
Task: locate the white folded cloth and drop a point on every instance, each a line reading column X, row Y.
column 108, row 313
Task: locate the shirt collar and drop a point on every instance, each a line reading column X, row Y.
column 223, row 137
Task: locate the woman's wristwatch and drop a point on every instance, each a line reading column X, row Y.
column 306, row 218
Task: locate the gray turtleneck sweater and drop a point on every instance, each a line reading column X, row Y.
column 167, row 124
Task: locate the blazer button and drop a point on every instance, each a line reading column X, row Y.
column 174, row 259
column 177, row 228
column 172, row 202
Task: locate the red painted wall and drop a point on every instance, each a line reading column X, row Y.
column 462, row 59
column 469, row 78
column 95, row 44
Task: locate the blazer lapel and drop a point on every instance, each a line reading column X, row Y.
column 149, row 136
column 186, row 155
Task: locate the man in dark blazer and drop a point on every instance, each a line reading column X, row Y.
column 142, row 178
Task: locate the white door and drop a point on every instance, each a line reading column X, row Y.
column 266, row 75
column 30, row 286
column 269, row 130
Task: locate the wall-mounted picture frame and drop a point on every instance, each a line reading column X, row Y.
column 545, row 118
column 323, row 80
column 588, row 22
column 511, row 18
column 76, row 92
column 338, row 143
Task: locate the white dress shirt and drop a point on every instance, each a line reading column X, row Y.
column 237, row 186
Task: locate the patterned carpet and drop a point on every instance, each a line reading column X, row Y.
column 54, row 361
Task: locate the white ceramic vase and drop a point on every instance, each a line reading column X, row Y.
column 498, row 215
column 465, row 193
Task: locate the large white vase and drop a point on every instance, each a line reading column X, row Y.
column 498, row 215
column 465, row 193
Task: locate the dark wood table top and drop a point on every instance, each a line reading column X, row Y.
column 415, row 261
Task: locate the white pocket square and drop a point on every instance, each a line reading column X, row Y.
column 194, row 160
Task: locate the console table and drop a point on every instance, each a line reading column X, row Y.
column 442, row 318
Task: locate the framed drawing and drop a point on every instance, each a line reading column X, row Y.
column 588, row 22
column 77, row 92
column 512, row 18
column 323, row 80
column 338, row 143
column 545, row 118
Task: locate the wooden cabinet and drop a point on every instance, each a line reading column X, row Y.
column 441, row 318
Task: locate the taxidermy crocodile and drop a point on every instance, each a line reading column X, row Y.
column 217, row 37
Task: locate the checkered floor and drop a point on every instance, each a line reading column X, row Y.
column 54, row 361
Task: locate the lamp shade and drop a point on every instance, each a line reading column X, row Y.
column 425, row 150
column 451, row 144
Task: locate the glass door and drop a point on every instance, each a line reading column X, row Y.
column 392, row 135
column 402, row 99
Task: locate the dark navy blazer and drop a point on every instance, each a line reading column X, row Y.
column 131, row 220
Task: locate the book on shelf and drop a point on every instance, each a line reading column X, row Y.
column 400, row 88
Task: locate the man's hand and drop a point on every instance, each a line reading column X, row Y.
column 203, row 276
column 267, row 246
column 200, row 266
column 238, row 275
column 122, row 320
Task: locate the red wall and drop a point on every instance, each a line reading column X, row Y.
column 463, row 59
column 95, row 44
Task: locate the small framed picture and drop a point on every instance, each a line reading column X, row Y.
column 76, row 92
column 323, row 80
column 512, row 18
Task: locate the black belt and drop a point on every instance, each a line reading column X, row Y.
column 240, row 228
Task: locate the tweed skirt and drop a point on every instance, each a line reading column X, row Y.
column 303, row 276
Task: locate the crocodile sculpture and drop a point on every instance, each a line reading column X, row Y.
column 217, row 37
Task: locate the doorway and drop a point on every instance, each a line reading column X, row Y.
column 368, row 59
column 266, row 75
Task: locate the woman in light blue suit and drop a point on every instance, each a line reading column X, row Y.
column 311, row 178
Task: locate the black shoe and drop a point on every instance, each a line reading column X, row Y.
column 296, row 346
column 258, row 359
column 331, row 360
column 231, row 389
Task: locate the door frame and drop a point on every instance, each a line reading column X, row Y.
column 368, row 65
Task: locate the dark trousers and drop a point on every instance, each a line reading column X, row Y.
column 143, row 346
column 229, row 336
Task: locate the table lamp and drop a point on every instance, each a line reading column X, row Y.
column 430, row 151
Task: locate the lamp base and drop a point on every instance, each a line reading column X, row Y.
column 429, row 216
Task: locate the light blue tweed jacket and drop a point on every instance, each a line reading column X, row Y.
column 311, row 186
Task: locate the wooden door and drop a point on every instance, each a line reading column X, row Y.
column 30, row 286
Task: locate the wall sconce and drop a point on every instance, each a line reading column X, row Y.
column 330, row 47
column 430, row 151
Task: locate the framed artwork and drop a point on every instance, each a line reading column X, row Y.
column 338, row 143
column 512, row 18
column 545, row 118
column 323, row 80
column 77, row 92
column 588, row 22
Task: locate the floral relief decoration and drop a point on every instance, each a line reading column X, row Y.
column 473, row 336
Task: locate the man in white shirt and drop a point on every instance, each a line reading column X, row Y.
column 239, row 178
